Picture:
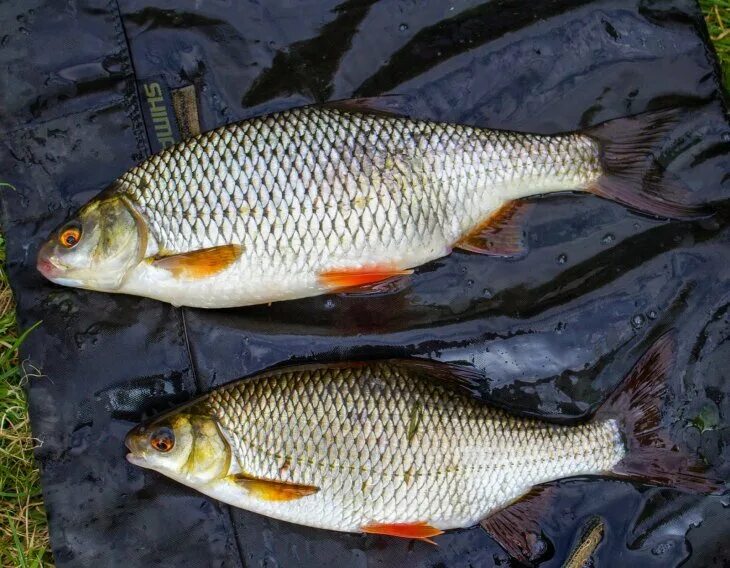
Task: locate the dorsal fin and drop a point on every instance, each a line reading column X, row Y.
column 384, row 105
column 467, row 379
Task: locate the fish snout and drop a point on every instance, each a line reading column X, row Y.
column 45, row 265
column 134, row 440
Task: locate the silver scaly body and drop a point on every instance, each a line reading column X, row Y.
column 316, row 189
column 384, row 443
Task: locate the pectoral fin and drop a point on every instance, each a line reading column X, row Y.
column 199, row 263
column 354, row 277
column 516, row 527
column 418, row 531
column 502, row 234
column 271, row 490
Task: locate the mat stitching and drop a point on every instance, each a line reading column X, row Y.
column 183, row 323
column 144, row 145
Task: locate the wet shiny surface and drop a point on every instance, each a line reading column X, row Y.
column 553, row 332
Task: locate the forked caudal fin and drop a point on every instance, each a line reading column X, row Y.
column 651, row 455
column 636, row 406
column 632, row 175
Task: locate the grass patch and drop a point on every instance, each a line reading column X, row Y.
column 717, row 16
column 23, row 528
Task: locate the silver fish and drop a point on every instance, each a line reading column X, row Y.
column 324, row 198
column 397, row 447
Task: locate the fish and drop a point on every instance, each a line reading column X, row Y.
column 590, row 538
column 403, row 448
column 341, row 196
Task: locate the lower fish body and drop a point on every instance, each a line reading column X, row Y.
column 396, row 447
column 320, row 199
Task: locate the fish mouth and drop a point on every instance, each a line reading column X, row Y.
column 54, row 272
column 136, row 460
column 48, row 268
column 132, row 443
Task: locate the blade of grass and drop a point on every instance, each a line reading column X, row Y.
column 23, row 529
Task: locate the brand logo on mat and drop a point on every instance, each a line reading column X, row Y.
column 159, row 114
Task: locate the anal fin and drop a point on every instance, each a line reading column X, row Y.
column 199, row 263
column 419, row 531
column 516, row 527
column 272, row 490
column 502, row 234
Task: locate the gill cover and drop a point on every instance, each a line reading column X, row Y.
column 98, row 247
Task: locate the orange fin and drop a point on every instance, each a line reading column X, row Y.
column 354, row 277
column 502, row 234
column 516, row 527
column 270, row 490
column 418, row 531
column 200, row 263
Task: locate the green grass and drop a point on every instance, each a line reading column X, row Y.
column 23, row 529
column 717, row 16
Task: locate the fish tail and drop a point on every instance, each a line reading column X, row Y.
column 636, row 405
column 631, row 173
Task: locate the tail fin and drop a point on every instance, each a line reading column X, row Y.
column 636, row 406
column 631, row 173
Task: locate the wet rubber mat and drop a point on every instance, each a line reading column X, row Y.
column 91, row 88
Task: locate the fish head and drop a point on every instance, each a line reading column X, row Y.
column 187, row 447
column 97, row 248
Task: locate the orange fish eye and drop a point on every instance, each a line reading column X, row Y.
column 162, row 439
column 69, row 237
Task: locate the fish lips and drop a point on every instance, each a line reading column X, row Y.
column 52, row 271
column 133, row 442
column 47, row 268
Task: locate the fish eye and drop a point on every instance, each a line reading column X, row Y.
column 162, row 439
column 70, row 236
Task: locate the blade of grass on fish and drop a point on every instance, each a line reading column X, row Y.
column 6, row 355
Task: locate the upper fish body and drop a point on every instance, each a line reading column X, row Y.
column 313, row 199
column 391, row 446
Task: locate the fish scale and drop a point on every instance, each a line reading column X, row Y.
column 350, row 431
column 335, row 166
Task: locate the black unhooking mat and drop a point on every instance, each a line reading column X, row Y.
column 86, row 94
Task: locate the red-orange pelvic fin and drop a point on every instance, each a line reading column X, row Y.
column 363, row 276
column 419, row 531
column 502, row 234
column 200, row 263
column 516, row 527
column 272, row 490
